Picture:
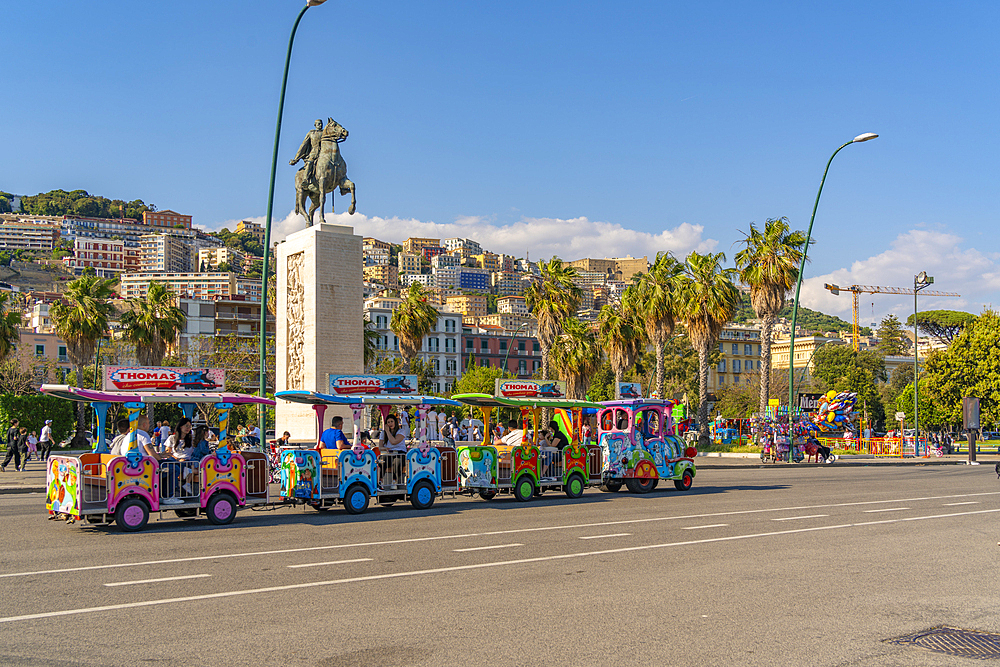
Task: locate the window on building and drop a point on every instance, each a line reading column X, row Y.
column 449, row 326
column 722, row 366
column 748, row 349
column 520, row 346
column 503, row 346
column 535, row 347
column 485, row 363
column 63, row 353
column 437, row 367
column 522, row 367
column 449, row 345
column 40, row 350
column 736, row 348
column 433, row 344
column 395, row 344
column 484, row 345
column 736, row 365
column 722, row 380
column 468, row 344
column 535, row 366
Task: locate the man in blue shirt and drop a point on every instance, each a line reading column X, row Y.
column 333, row 437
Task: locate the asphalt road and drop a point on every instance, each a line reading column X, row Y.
column 780, row 566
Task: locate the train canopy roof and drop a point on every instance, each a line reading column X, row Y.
column 489, row 401
column 79, row 394
column 316, row 398
column 636, row 403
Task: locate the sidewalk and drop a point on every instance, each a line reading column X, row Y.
column 33, row 480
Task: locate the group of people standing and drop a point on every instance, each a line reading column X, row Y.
column 23, row 445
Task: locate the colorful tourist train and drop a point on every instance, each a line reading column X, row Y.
column 634, row 445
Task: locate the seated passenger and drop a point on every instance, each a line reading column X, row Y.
column 513, row 436
column 557, row 438
column 202, row 448
column 122, row 426
column 333, row 437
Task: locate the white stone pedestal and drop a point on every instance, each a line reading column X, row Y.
column 318, row 327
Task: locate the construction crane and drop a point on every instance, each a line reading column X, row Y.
column 855, row 290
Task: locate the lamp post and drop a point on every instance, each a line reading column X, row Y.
column 267, row 224
column 868, row 136
column 920, row 281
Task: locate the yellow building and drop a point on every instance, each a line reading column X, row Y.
column 488, row 260
column 805, row 347
column 385, row 274
column 254, row 229
column 414, row 244
column 409, row 262
column 739, row 347
column 470, row 305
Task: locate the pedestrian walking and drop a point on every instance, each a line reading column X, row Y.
column 22, row 446
column 45, row 441
column 32, row 447
column 12, row 450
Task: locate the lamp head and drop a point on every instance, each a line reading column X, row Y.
column 867, row 136
column 922, row 277
column 314, row 3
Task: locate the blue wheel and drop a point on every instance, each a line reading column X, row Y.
column 356, row 499
column 423, row 495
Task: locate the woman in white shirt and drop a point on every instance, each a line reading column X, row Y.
column 391, row 440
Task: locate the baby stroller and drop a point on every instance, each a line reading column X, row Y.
column 768, row 454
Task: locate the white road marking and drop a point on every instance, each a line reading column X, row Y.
column 711, row 525
column 969, row 502
column 154, row 581
column 597, row 537
column 332, row 562
column 887, row 509
column 495, row 546
column 488, row 534
column 458, row 568
column 793, row 518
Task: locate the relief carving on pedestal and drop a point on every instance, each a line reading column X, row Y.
column 295, row 322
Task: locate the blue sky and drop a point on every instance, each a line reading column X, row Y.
column 575, row 128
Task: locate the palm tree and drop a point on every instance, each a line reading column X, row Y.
column 622, row 335
column 552, row 300
column 372, row 338
column 577, row 354
column 153, row 323
column 411, row 321
column 656, row 298
column 769, row 266
column 10, row 327
column 81, row 321
column 707, row 299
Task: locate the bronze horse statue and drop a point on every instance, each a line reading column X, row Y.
column 330, row 173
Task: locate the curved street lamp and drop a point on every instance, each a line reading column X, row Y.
column 267, row 224
column 861, row 138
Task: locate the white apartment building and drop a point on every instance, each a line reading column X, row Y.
column 507, row 284
column 425, row 279
column 29, row 232
column 514, row 305
column 468, row 245
column 445, row 260
column 446, row 277
column 440, row 347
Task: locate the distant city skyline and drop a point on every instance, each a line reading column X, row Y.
column 542, row 128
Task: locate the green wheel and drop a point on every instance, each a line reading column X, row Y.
column 574, row 486
column 524, row 489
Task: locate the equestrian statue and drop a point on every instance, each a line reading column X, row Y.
column 324, row 170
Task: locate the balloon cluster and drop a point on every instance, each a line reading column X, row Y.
column 835, row 410
column 799, row 426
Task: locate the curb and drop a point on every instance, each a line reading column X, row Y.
column 22, row 489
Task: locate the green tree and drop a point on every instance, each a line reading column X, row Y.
column 737, row 401
column 552, row 300
column 843, row 369
column 707, row 300
column 413, row 319
column 10, row 326
column 371, row 342
column 577, row 355
column 769, row 266
column 969, row 367
column 942, row 325
column 931, row 412
column 891, row 340
column 153, row 323
column 622, row 335
column 901, row 376
column 81, row 321
column 4, row 203
column 656, row 302
column 603, row 386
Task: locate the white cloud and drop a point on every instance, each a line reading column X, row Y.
column 970, row 272
column 541, row 238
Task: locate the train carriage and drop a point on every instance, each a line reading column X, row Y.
column 526, row 470
column 323, row 478
column 101, row 489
